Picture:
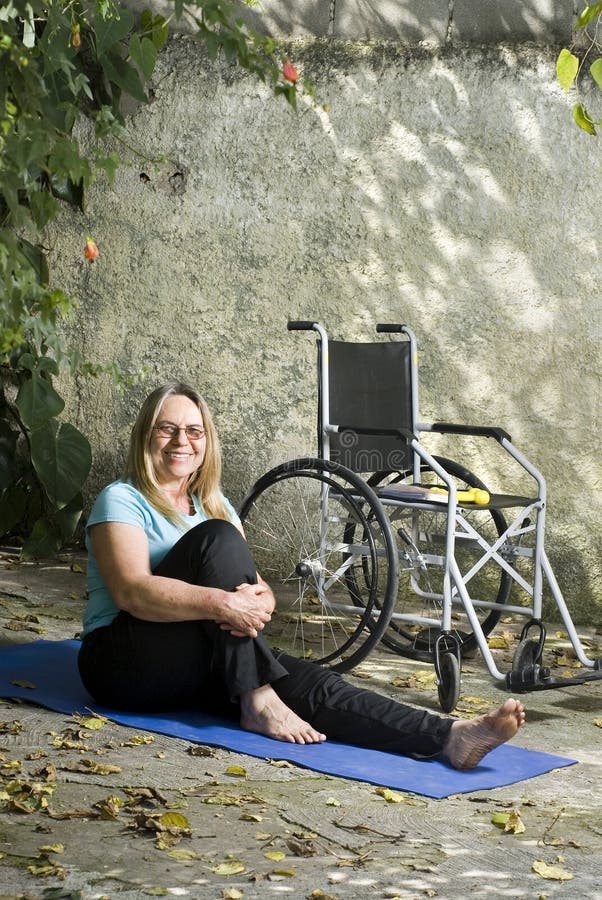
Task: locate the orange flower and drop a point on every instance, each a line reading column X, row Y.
column 289, row 72
column 91, row 250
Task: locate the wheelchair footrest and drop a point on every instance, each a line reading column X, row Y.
column 538, row 678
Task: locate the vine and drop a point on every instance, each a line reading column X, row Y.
column 59, row 60
column 571, row 68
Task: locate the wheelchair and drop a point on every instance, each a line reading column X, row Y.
column 376, row 540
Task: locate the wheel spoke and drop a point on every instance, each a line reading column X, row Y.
column 296, row 520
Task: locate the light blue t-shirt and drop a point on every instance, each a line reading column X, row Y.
column 122, row 502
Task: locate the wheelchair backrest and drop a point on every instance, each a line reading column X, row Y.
column 369, row 386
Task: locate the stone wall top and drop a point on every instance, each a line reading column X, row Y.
column 435, row 22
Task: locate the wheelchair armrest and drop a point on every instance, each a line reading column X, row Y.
column 480, row 431
column 300, row 326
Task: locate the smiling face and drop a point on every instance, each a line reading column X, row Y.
column 176, row 458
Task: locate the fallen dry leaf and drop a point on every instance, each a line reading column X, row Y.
column 46, row 869
column 14, row 727
column 36, row 754
column 222, row 800
column 497, row 643
column 138, row 740
column 182, row 854
column 202, row 751
column 422, row 680
column 510, row 822
column 144, row 795
column 72, row 814
column 94, row 768
column 232, row 867
column 92, row 723
column 301, row 847
column 52, row 848
column 109, row 807
column 46, row 773
column 389, row 795
column 554, row 873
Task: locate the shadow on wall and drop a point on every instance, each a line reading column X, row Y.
column 454, row 21
column 443, row 190
column 437, row 22
column 463, row 238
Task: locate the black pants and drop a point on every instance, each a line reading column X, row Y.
column 158, row 666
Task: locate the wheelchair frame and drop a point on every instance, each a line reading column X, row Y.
column 377, row 609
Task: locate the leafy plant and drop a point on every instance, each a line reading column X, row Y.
column 60, row 60
column 571, row 68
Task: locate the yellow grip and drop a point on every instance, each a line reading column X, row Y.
column 472, row 495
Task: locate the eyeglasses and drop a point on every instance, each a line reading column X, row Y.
column 193, row 432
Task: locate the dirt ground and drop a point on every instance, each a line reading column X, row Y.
column 112, row 813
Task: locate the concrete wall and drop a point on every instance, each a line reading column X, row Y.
column 436, row 22
column 444, row 187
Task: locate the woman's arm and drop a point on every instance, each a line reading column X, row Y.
column 122, row 556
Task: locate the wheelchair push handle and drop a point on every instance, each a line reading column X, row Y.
column 300, row 326
column 383, row 328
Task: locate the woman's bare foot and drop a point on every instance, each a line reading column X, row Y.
column 470, row 740
column 263, row 711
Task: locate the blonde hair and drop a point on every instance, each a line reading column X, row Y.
column 139, row 468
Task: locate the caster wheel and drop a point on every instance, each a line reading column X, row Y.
column 449, row 681
column 526, row 655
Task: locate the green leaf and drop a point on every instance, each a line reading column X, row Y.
column 567, row 66
column 44, row 540
column 26, row 361
column 71, row 192
column 36, row 258
column 589, row 13
column 583, row 118
column 68, row 517
column 13, row 504
column 8, row 446
column 125, row 76
column 42, row 205
column 109, row 164
column 159, row 32
column 144, row 54
column 596, row 72
column 29, row 31
column 62, row 460
column 111, row 30
column 37, row 401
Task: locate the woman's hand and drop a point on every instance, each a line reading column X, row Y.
column 249, row 608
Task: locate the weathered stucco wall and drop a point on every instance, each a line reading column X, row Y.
column 445, row 188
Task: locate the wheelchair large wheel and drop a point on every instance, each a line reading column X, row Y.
column 295, row 520
column 421, row 546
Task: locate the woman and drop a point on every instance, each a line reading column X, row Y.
column 176, row 610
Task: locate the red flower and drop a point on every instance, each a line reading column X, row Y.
column 289, row 72
column 91, row 250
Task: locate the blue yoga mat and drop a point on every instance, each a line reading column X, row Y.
column 51, row 668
